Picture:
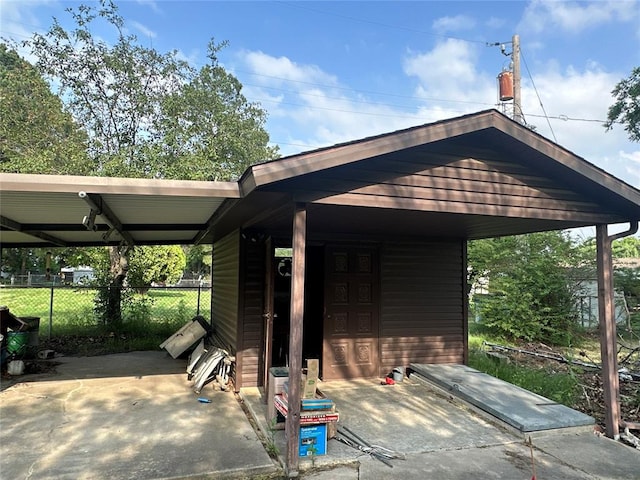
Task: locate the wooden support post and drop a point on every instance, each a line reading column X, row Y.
column 295, row 338
column 267, row 314
column 608, row 342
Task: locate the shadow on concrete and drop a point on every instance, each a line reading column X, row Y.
column 130, row 415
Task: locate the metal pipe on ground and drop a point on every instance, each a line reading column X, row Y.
column 630, row 425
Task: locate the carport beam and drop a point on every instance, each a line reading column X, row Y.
column 97, row 204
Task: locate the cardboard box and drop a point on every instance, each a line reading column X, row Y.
column 313, row 368
column 309, row 387
column 310, row 381
column 313, row 440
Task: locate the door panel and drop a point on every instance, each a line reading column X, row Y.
column 351, row 313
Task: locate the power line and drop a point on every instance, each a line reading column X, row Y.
column 369, row 92
column 566, row 118
column 535, row 89
column 409, row 97
column 339, row 110
column 302, row 6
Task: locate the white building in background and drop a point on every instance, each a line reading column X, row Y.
column 76, row 275
column 588, row 305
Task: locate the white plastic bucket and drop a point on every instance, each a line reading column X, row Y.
column 15, row 367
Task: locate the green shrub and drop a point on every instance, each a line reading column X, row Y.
column 530, row 290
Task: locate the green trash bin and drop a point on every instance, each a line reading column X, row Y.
column 17, row 343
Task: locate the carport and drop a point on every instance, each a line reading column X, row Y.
column 441, row 184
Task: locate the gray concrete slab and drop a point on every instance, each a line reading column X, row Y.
column 524, row 410
column 135, row 416
column 124, row 416
column 409, row 418
column 511, row 461
column 598, row 456
column 443, row 439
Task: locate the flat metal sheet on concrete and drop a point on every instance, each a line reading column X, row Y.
column 520, row 408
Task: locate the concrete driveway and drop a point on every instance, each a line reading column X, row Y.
column 445, row 438
column 125, row 416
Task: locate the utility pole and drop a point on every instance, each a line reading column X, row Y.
column 515, row 57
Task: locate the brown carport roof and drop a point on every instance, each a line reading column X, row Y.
column 42, row 210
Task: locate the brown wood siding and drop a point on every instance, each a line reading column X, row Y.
column 422, row 308
column 225, row 284
column 251, row 326
column 436, row 182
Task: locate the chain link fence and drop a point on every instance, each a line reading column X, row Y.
column 64, row 309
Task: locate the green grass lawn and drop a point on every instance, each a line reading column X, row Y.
column 69, row 310
column 560, row 385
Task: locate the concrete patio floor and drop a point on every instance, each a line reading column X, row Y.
column 443, row 437
column 123, row 416
column 135, row 416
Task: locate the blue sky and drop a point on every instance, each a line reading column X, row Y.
column 328, row 72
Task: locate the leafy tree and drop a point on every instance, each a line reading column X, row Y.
column 209, row 129
column 198, row 260
column 114, row 91
column 36, row 134
column 531, row 294
column 155, row 264
column 146, row 113
column 627, row 247
column 626, row 109
column 19, row 261
column 150, row 114
column 627, row 280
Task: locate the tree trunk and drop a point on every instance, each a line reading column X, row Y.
column 119, row 265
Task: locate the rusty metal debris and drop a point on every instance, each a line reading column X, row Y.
column 350, row 438
column 207, row 362
column 547, row 356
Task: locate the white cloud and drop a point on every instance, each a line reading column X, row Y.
column 308, row 107
column 496, row 22
column 582, row 95
column 192, row 58
column 632, row 162
column 450, row 84
column 573, row 17
column 448, row 73
column 274, row 70
column 152, row 4
column 453, row 24
column 19, row 21
column 146, row 32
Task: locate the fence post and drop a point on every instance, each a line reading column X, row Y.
column 51, row 313
column 199, row 288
